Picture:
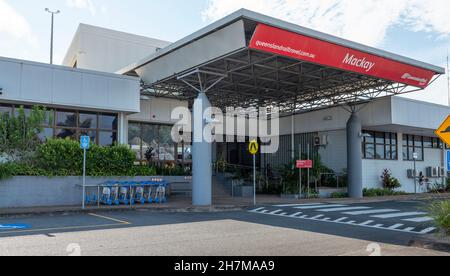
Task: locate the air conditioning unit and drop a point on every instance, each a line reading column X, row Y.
column 320, row 141
column 442, row 172
column 432, row 172
column 411, row 174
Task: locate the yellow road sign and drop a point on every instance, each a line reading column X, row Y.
column 444, row 131
column 253, row 147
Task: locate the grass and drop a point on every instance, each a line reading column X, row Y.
column 440, row 212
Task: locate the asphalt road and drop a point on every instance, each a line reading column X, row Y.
column 320, row 229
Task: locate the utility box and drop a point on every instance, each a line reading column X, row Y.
column 432, row 172
column 442, row 172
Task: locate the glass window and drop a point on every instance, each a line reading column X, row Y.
column 107, row 138
column 5, row 109
column 66, row 133
column 107, row 122
column 150, row 142
column 413, row 144
column 66, row 119
column 46, row 134
column 88, row 120
column 380, row 146
column 428, row 142
column 134, row 139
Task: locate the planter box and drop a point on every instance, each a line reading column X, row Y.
column 30, row 191
column 327, row 192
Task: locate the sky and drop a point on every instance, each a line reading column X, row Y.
column 418, row 29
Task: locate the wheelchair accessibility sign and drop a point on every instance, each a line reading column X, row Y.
column 14, row 226
column 84, row 142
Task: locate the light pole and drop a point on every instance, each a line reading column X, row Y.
column 51, row 36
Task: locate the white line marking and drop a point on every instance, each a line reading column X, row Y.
column 396, row 226
column 296, row 214
column 369, row 212
column 257, row 210
column 275, row 212
column 327, row 219
column 428, row 230
column 316, row 217
column 399, row 215
column 343, row 209
column 378, row 226
column 319, row 206
column 423, row 219
column 367, row 222
column 283, row 214
column 294, row 205
column 264, row 212
column 109, row 218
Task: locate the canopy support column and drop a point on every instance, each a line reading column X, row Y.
column 354, row 156
column 201, row 148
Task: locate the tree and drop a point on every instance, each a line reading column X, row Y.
column 19, row 132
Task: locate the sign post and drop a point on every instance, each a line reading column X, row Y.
column 415, row 157
column 84, row 144
column 253, row 148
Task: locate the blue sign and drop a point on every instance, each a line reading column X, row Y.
column 448, row 160
column 14, row 226
column 85, row 142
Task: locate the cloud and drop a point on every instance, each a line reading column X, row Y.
column 83, row 4
column 15, row 25
column 364, row 21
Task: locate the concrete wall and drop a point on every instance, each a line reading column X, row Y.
column 26, row 82
column 20, row 192
column 107, row 50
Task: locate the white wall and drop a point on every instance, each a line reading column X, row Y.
column 334, row 155
column 36, row 83
column 157, row 110
column 107, row 50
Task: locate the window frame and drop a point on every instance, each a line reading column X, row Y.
column 390, row 141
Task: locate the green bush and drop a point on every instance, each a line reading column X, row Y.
column 6, row 171
column 440, row 212
column 388, row 181
column 339, row 195
column 381, row 192
column 59, row 157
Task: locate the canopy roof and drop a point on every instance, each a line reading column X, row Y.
column 248, row 59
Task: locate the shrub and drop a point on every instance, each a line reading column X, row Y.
column 388, row 181
column 6, row 171
column 440, row 212
column 381, row 192
column 59, row 157
column 339, row 195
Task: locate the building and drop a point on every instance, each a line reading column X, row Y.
column 119, row 87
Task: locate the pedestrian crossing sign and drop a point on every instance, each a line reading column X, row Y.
column 444, row 131
column 253, row 147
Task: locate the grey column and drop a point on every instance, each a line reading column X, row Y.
column 354, row 157
column 201, row 156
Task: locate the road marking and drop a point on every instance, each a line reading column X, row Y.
column 283, row 214
column 378, row 226
column 318, row 206
column 294, row 205
column 369, row 212
column 264, row 212
column 343, row 209
column 275, row 212
column 399, row 215
column 367, row 222
column 317, row 217
column 259, row 209
column 423, row 219
column 296, row 214
column 61, row 228
column 109, row 218
column 396, row 226
column 428, row 230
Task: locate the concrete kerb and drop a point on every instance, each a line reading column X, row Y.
column 433, row 242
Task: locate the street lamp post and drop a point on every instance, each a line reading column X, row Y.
column 51, row 35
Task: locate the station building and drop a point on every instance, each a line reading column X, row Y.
column 121, row 88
